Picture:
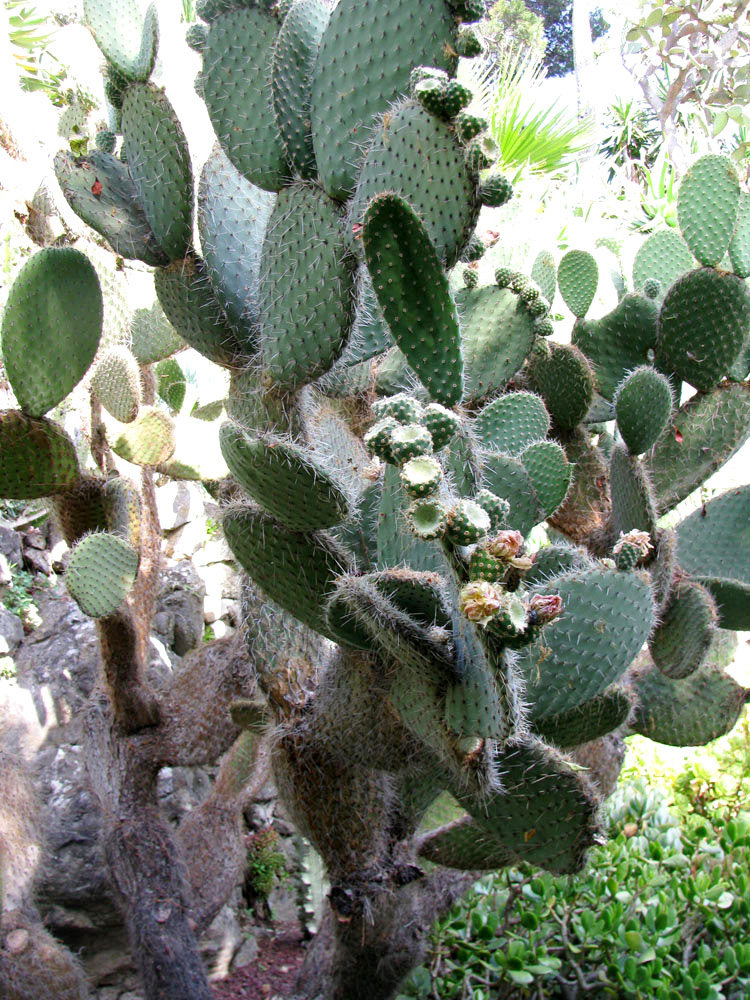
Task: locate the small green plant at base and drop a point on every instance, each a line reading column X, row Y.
column 662, row 911
column 265, row 863
column 18, row 597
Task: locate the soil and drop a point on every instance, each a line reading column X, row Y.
column 272, row 974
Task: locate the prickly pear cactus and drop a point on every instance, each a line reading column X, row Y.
column 393, row 442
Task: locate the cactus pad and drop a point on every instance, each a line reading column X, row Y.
column 633, row 506
column 284, row 480
column 703, row 434
column 643, row 403
column 606, row 619
column 37, row 458
column 714, row 547
column 237, row 64
column 101, row 191
column 702, row 324
column 303, row 328
column 684, row 635
column 707, row 207
column 128, row 38
column 511, row 423
column 54, row 316
column 232, row 219
column 101, row 572
column 603, row 714
column 565, row 381
column 496, row 336
column 358, row 47
column 739, row 248
column 291, row 81
column 296, row 570
column 549, row 471
column 159, row 163
column 663, row 257
column 544, row 273
column 577, row 278
column 116, row 383
column 152, row 336
column 445, row 202
column 413, row 294
column 148, row 441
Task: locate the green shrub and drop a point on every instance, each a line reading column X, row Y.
column 662, row 912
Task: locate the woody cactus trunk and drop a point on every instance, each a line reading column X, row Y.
column 441, row 699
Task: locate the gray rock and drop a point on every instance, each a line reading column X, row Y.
column 11, row 631
column 178, row 503
column 34, row 539
column 38, row 561
column 10, row 544
column 179, row 609
column 5, row 573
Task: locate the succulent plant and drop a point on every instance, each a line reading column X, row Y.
column 393, row 442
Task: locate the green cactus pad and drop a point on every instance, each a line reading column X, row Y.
column 464, row 845
column 127, row 37
column 643, row 404
column 152, row 336
column 100, row 190
column 37, row 458
column 122, row 509
column 303, row 327
column 116, row 383
column 739, row 248
column 496, row 336
column 420, row 595
column 544, row 273
column 702, row 324
column 370, row 334
column 291, row 80
column 545, row 815
column 237, row 66
column 101, row 573
column 607, row 617
column 556, row 559
column 171, row 384
column 186, row 296
column 159, row 163
column 511, row 423
column 714, row 547
column 296, row 570
column 633, row 504
column 53, row 315
column 445, row 201
column 707, row 207
column 577, row 278
column 413, row 294
column 681, row 641
column 619, row 341
column 603, row 714
column 474, row 704
column 400, row 545
column 664, row 257
column 693, row 711
column 703, row 434
column 148, row 441
column 549, row 472
column 284, row 480
column 507, row 478
column 232, row 219
column 565, row 381
column 358, row 46
column 461, row 463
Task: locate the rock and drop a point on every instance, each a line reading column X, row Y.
column 5, row 574
column 221, row 579
column 178, row 503
column 179, row 609
column 221, row 942
column 230, row 611
column 11, row 631
column 10, row 544
column 247, row 953
column 34, row 539
column 220, row 629
column 185, row 541
column 59, row 555
column 211, row 608
column 215, row 550
column 38, row 561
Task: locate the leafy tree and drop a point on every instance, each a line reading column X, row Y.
column 557, row 16
column 512, row 21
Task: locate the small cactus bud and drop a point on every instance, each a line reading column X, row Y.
column 544, row 327
column 652, row 288
column 403, row 408
column 410, row 441
column 441, row 423
column 496, row 507
column 468, row 43
column 378, row 438
column 421, row 476
column 631, row 548
column 474, row 249
column 427, row 519
column 471, row 278
column 495, row 191
column 510, row 620
column 467, row 523
column 468, row 126
column 504, row 276
column 483, row 566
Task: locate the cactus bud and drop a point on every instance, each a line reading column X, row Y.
column 480, row 601
column 631, row 548
column 505, row 545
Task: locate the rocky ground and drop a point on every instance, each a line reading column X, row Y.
column 48, row 664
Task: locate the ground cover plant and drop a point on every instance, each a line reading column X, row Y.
column 397, row 424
